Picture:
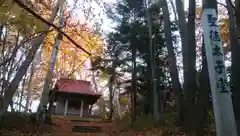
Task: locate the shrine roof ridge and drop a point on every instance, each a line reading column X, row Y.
column 75, row 86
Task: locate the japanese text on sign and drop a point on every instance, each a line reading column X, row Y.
column 221, row 81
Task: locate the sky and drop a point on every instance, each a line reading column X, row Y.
column 97, row 12
column 78, row 15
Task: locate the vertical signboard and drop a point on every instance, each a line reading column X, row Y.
column 221, row 95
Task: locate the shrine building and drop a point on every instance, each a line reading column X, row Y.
column 73, row 97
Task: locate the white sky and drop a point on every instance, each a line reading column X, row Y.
column 97, row 10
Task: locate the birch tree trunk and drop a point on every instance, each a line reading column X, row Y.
column 110, row 88
column 24, row 66
column 29, row 88
column 118, row 105
column 22, row 91
column 8, row 67
column 48, row 79
column 94, row 82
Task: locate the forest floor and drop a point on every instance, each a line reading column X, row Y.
column 92, row 127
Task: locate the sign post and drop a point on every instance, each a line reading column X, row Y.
column 221, row 95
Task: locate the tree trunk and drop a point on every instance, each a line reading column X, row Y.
column 237, row 15
column 49, row 110
column 102, row 107
column 152, row 54
column 134, row 87
column 190, row 75
column 8, row 64
column 110, row 87
column 22, row 91
column 23, row 68
column 184, row 40
column 1, row 31
column 48, row 80
column 118, row 104
column 29, row 89
column 203, row 96
column 176, row 86
column 235, row 67
column 94, row 82
column 161, row 101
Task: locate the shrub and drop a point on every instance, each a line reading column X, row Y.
column 22, row 122
column 14, row 120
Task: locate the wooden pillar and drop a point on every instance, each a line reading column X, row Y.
column 81, row 109
column 66, row 107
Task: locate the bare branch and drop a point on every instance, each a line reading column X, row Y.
column 225, row 6
column 18, row 46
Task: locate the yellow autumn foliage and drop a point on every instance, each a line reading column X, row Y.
column 223, row 26
column 123, row 100
column 11, row 13
column 69, row 56
column 198, row 12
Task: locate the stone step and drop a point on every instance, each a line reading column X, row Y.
column 93, row 124
column 83, row 127
column 88, row 134
column 86, row 129
column 80, row 120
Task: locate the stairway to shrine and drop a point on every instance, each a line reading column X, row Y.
column 67, row 126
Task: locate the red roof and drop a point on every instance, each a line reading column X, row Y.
column 75, row 86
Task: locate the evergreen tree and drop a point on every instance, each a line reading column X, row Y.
column 131, row 32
